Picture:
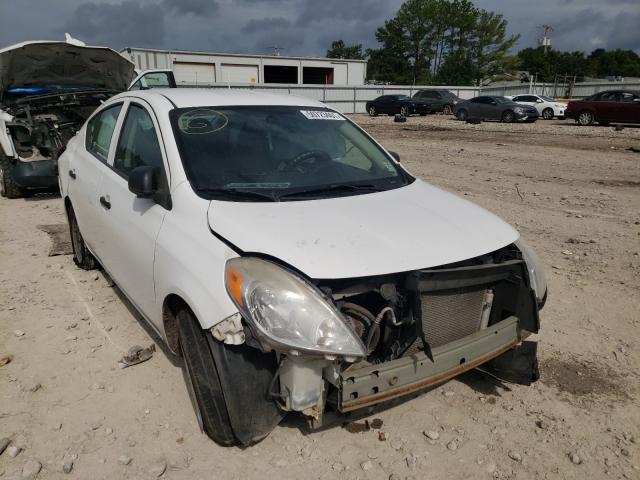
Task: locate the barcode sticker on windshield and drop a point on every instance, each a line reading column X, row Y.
column 321, row 115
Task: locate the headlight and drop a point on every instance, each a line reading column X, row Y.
column 287, row 313
column 534, row 266
column 518, row 110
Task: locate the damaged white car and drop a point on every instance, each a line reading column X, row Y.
column 48, row 90
column 291, row 260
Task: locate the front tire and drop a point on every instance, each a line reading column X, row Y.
column 82, row 257
column 404, row 111
column 547, row 114
column 372, row 111
column 462, row 115
column 508, row 116
column 8, row 188
column 585, row 118
column 230, row 385
column 447, row 110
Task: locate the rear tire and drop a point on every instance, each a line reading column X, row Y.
column 8, row 188
column 447, row 110
column 404, row 111
column 585, row 118
column 547, row 114
column 462, row 115
column 82, row 257
column 508, row 116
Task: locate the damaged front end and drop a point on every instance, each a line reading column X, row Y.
column 346, row 344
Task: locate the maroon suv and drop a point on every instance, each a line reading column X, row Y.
column 619, row 106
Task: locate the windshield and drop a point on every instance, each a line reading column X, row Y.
column 546, row 99
column 273, row 152
column 502, row 99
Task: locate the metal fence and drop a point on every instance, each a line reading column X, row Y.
column 352, row 99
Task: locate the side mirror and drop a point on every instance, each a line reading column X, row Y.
column 143, row 181
column 395, row 155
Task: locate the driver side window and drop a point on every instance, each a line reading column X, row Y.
column 138, row 143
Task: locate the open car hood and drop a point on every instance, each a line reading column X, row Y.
column 48, row 63
column 409, row 228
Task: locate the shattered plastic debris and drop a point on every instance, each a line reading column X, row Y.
column 137, row 354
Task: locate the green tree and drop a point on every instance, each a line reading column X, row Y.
column 490, row 46
column 340, row 50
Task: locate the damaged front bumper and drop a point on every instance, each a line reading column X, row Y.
column 364, row 385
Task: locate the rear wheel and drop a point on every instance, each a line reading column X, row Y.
column 447, row 110
column 229, row 384
column 81, row 254
column 585, row 118
column 462, row 115
column 8, row 188
column 372, row 111
column 547, row 114
column 508, row 116
column 404, row 111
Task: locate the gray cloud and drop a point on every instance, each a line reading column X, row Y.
column 193, row 7
column 303, row 27
column 117, row 24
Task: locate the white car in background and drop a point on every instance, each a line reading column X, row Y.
column 547, row 107
column 291, row 261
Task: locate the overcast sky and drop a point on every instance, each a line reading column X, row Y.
column 299, row 27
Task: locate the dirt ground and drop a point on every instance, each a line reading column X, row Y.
column 574, row 193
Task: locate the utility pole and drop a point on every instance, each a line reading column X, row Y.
column 545, row 41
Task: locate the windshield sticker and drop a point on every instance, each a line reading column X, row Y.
column 202, row 120
column 321, row 115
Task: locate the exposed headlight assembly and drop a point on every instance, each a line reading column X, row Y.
column 287, row 313
column 518, row 110
column 534, row 266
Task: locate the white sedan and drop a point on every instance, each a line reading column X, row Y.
column 291, row 260
column 547, row 107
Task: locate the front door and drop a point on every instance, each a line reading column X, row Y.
column 131, row 224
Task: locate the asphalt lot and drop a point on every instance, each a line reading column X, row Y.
column 573, row 192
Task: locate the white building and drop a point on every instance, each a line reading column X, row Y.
column 205, row 68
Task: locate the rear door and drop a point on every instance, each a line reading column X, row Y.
column 130, row 225
column 86, row 171
column 629, row 107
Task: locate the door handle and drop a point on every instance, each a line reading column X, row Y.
column 72, row 174
column 105, row 203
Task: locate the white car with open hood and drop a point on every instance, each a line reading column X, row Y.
column 292, row 261
column 48, row 89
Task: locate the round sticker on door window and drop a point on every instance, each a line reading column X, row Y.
column 202, row 120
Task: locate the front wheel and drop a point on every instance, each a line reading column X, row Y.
column 372, row 111
column 547, row 114
column 462, row 115
column 404, row 111
column 81, row 254
column 585, row 119
column 508, row 116
column 446, row 110
column 229, row 384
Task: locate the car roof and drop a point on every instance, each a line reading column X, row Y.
column 206, row 97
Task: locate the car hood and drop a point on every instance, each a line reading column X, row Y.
column 48, row 63
column 413, row 227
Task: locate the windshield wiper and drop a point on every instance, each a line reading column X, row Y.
column 335, row 188
column 238, row 193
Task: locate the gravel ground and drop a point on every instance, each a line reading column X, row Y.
column 573, row 192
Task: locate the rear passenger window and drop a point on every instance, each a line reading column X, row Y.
column 100, row 130
column 138, row 144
